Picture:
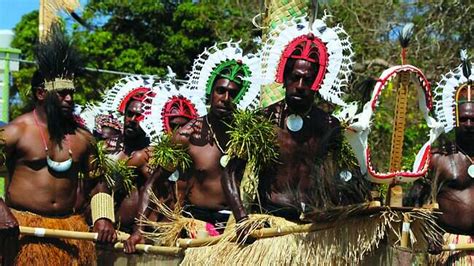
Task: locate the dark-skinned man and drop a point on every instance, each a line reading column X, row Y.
column 199, row 188
column 128, row 98
column 45, row 152
column 304, row 132
column 452, row 168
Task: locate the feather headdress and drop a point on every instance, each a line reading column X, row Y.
column 226, row 60
column 445, row 100
column 170, row 102
column 116, row 98
column 58, row 60
column 329, row 47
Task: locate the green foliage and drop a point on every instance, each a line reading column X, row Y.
column 26, row 36
column 252, row 138
column 169, row 155
column 116, row 173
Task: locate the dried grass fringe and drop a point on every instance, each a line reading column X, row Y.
column 51, row 251
column 346, row 242
column 167, row 233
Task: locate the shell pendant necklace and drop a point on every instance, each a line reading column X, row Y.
column 224, row 160
column 470, row 169
column 54, row 165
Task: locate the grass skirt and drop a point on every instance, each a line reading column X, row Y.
column 51, row 251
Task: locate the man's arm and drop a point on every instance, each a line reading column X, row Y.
column 157, row 182
column 233, row 173
column 102, row 205
column 9, row 232
column 163, row 191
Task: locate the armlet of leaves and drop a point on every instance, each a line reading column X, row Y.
column 169, row 155
column 252, row 138
column 116, row 173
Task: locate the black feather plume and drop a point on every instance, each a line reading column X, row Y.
column 57, row 57
column 404, row 36
column 466, row 64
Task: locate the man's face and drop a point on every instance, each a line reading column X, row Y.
column 176, row 120
column 298, row 81
column 133, row 116
column 66, row 102
column 223, row 93
column 466, row 121
column 111, row 137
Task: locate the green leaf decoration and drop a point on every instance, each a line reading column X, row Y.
column 116, row 173
column 252, row 138
column 169, row 155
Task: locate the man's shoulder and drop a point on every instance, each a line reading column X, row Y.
column 19, row 125
column 323, row 117
column 139, row 158
column 85, row 135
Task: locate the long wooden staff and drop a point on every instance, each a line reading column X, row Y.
column 65, row 234
column 459, row 247
column 258, row 234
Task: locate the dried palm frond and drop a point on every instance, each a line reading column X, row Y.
column 167, row 233
column 116, row 173
column 343, row 242
column 253, row 139
column 169, row 155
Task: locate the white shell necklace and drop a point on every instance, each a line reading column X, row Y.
column 224, row 160
column 470, row 169
column 55, row 166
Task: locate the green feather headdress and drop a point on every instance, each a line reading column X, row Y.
column 232, row 70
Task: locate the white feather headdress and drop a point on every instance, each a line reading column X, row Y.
column 207, row 62
column 116, row 97
column 337, row 45
column 445, row 94
column 167, row 93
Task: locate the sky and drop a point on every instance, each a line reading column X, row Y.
column 11, row 11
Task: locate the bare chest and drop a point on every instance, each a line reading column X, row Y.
column 31, row 147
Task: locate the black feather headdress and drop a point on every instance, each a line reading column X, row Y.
column 58, row 60
column 466, row 65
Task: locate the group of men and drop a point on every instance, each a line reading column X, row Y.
column 47, row 151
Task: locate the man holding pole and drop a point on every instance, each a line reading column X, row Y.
column 304, row 132
column 45, row 151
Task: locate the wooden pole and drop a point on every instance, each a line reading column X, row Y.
column 56, row 233
column 459, row 247
column 158, row 250
column 64, row 234
column 405, row 231
column 260, row 233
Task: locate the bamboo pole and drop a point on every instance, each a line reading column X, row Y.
column 56, row 233
column 158, row 250
column 459, row 247
column 405, row 231
column 258, row 234
column 199, row 242
column 121, row 236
